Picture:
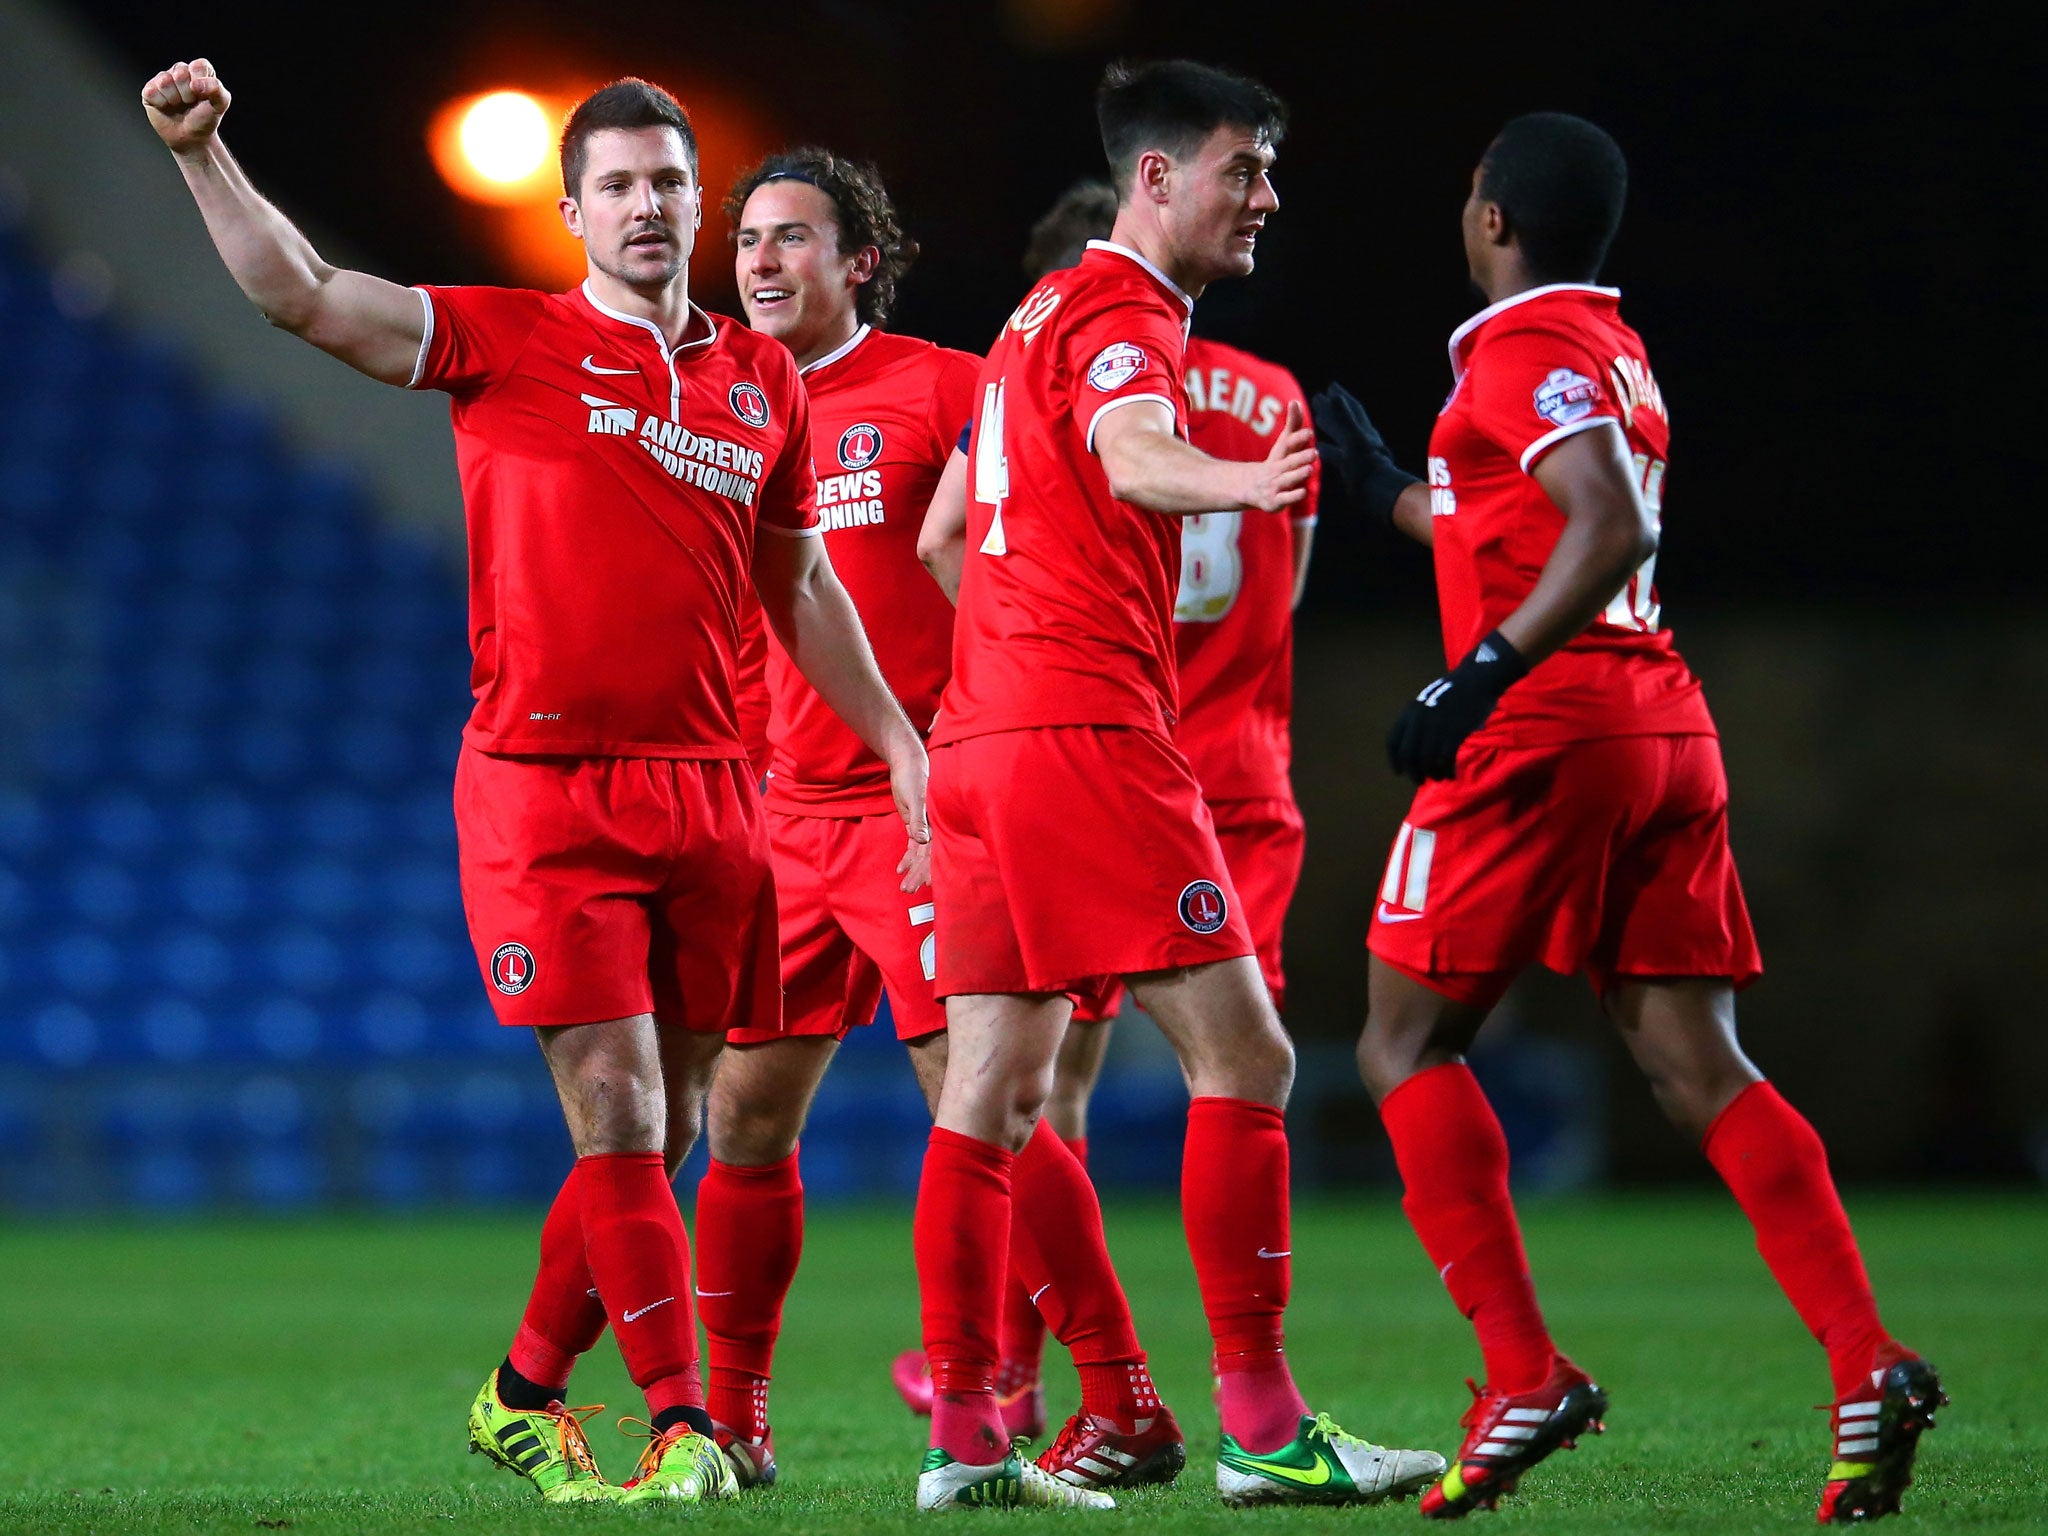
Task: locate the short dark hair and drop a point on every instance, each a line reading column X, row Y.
column 1561, row 181
column 628, row 103
column 1174, row 104
column 1085, row 211
column 860, row 205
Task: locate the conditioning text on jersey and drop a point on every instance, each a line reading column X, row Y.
column 850, row 501
column 710, row 463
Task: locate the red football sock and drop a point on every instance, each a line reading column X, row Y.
column 1233, row 1200
column 1060, row 1254
column 1778, row 1171
column 962, row 1237
column 1453, row 1159
column 1023, row 1337
column 563, row 1315
column 639, row 1256
column 750, row 1234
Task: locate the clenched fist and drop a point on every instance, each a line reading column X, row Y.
column 185, row 104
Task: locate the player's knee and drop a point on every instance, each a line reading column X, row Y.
column 1258, row 1065
column 1391, row 1050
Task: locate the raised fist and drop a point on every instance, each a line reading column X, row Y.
column 185, row 104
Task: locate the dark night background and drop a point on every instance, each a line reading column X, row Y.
column 1823, row 249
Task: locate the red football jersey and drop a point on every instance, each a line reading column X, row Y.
column 1234, row 619
column 1066, row 600
column 1529, row 372
column 886, row 412
column 612, row 488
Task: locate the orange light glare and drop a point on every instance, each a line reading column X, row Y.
column 505, row 136
column 498, row 147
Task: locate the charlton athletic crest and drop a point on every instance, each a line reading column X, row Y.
column 512, row 965
column 749, row 404
column 1202, row 906
column 860, row 445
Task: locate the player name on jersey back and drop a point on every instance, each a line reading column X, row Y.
column 1529, row 373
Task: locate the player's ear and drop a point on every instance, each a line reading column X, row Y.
column 1493, row 223
column 865, row 262
column 1154, row 172
column 572, row 216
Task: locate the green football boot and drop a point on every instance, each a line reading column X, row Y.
column 1322, row 1465
column 943, row 1483
column 679, row 1465
column 543, row 1445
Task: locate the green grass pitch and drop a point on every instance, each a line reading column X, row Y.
column 316, row 1376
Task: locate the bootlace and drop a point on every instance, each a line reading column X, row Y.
column 575, row 1446
column 1329, row 1429
column 1474, row 1415
column 658, row 1442
column 1063, row 1442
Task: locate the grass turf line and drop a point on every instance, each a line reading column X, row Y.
column 239, row 1377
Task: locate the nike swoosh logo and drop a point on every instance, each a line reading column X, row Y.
column 590, row 366
column 1388, row 915
column 1040, row 1292
column 1307, row 1477
column 718, row 1293
column 1284, row 1253
column 634, row 1317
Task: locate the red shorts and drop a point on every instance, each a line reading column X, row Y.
column 1608, row 856
column 601, row 887
column 1262, row 844
column 1064, row 853
column 847, row 929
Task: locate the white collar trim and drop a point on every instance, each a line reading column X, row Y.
column 1125, row 251
column 710, row 325
column 1458, row 336
column 859, row 335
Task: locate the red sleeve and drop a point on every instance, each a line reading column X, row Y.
column 1533, row 387
column 474, row 336
column 952, row 406
column 789, row 493
column 1128, row 350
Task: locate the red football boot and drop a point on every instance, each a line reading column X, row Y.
column 1092, row 1452
column 913, row 1379
column 1877, row 1427
column 1506, row 1436
column 753, row 1461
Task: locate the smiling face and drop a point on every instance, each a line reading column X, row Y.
column 637, row 209
column 1217, row 202
column 794, row 281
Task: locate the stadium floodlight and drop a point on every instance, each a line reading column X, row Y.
column 498, row 146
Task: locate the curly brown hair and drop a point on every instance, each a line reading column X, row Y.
column 861, row 205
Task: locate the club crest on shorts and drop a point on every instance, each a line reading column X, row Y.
column 1565, row 397
column 1202, row 906
column 749, row 404
column 860, row 445
column 512, row 967
column 1116, row 365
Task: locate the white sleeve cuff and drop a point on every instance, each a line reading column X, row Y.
column 1096, row 420
column 1550, row 440
column 419, row 364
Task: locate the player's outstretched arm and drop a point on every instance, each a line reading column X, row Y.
column 1150, row 466
column 370, row 324
column 1359, row 470
column 942, row 537
column 815, row 620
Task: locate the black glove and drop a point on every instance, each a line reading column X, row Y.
column 1425, row 740
column 1357, row 469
